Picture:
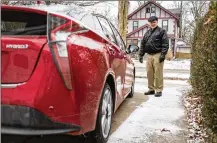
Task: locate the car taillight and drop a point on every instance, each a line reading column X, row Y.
column 60, row 55
column 59, row 30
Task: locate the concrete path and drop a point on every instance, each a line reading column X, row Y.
column 157, row 120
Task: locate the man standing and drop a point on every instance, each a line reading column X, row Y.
column 156, row 44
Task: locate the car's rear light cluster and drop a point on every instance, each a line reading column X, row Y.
column 60, row 55
column 59, row 30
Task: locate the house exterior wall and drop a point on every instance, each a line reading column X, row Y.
column 140, row 39
column 172, row 25
column 142, row 17
column 184, row 50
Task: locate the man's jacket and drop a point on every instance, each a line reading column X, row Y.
column 154, row 41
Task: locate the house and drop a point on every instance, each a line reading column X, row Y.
column 167, row 19
column 182, row 49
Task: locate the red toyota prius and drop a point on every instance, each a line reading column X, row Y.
column 62, row 73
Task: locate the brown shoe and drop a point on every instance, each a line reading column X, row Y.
column 150, row 92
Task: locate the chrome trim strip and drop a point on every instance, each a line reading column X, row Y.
column 11, row 85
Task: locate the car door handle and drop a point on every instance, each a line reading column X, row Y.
column 111, row 50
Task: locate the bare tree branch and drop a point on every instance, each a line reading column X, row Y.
column 140, row 3
column 86, row 3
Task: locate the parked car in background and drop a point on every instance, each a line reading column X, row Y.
column 62, row 74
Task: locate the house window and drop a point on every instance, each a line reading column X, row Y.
column 153, row 9
column 147, row 10
column 135, row 42
column 165, row 24
column 135, row 25
column 132, row 42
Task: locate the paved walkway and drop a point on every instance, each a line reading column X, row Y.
column 157, row 120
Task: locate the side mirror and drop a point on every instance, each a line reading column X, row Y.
column 132, row 49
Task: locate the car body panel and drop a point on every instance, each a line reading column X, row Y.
column 20, row 55
column 92, row 59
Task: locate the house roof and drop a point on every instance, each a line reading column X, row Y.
column 156, row 4
column 138, row 29
column 176, row 11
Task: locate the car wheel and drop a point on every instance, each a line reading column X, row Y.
column 132, row 90
column 104, row 119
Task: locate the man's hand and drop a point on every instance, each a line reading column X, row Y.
column 162, row 58
column 141, row 59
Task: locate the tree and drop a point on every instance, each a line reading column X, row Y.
column 191, row 12
column 85, row 3
column 47, row 2
column 180, row 29
column 198, row 9
column 5, row 2
column 122, row 18
column 204, row 66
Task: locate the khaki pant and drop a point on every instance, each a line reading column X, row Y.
column 155, row 72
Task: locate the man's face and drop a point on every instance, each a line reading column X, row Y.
column 153, row 24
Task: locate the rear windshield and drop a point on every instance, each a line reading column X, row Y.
column 23, row 23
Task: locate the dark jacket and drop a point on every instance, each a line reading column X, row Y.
column 154, row 41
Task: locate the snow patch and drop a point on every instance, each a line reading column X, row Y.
column 166, row 75
column 151, row 117
column 173, row 65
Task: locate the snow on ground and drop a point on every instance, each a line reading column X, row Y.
column 178, row 64
column 175, row 69
column 167, row 83
column 173, row 65
column 184, row 76
column 156, row 117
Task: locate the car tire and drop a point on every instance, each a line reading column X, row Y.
column 104, row 118
column 132, row 90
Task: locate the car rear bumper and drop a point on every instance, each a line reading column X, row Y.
column 21, row 120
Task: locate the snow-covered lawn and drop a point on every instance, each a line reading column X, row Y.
column 156, row 120
column 183, row 76
column 175, row 69
column 173, row 65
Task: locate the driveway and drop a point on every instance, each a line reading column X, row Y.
column 141, row 119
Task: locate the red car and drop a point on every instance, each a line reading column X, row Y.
column 62, row 75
